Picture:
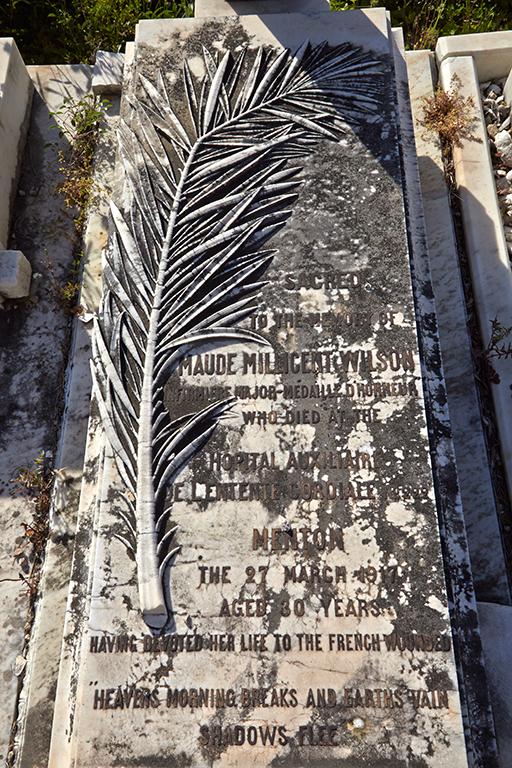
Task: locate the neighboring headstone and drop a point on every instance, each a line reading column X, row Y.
column 108, row 73
column 283, row 602
column 15, row 275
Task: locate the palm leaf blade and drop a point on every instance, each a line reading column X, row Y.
column 182, row 265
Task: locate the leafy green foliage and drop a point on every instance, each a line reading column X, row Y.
column 423, row 22
column 71, row 31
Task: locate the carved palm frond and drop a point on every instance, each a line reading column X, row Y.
column 185, row 262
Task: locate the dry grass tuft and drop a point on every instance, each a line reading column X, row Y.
column 450, row 115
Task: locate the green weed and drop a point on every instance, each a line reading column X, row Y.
column 65, row 295
column 80, row 121
column 37, row 484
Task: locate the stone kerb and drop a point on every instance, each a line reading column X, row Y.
column 16, row 92
column 491, row 51
column 479, row 729
column 487, row 250
column 489, row 569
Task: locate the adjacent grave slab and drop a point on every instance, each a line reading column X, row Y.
column 36, row 703
column 486, row 246
column 16, row 92
column 32, row 364
column 299, row 615
column 204, row 8
column 481, row 516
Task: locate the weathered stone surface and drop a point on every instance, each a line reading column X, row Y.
column 32, row 363
column 305, row 617
column 478, row 721
column 36, row 705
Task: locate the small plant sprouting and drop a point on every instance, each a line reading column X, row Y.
column 450, row 115
column 498, row 333
column 37, row 484
column 81, row 125
column 65, row 295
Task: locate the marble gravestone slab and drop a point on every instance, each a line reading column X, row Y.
column 266, row 580
column 204, row 8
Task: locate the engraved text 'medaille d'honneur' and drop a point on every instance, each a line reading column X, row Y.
column 184, row 263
